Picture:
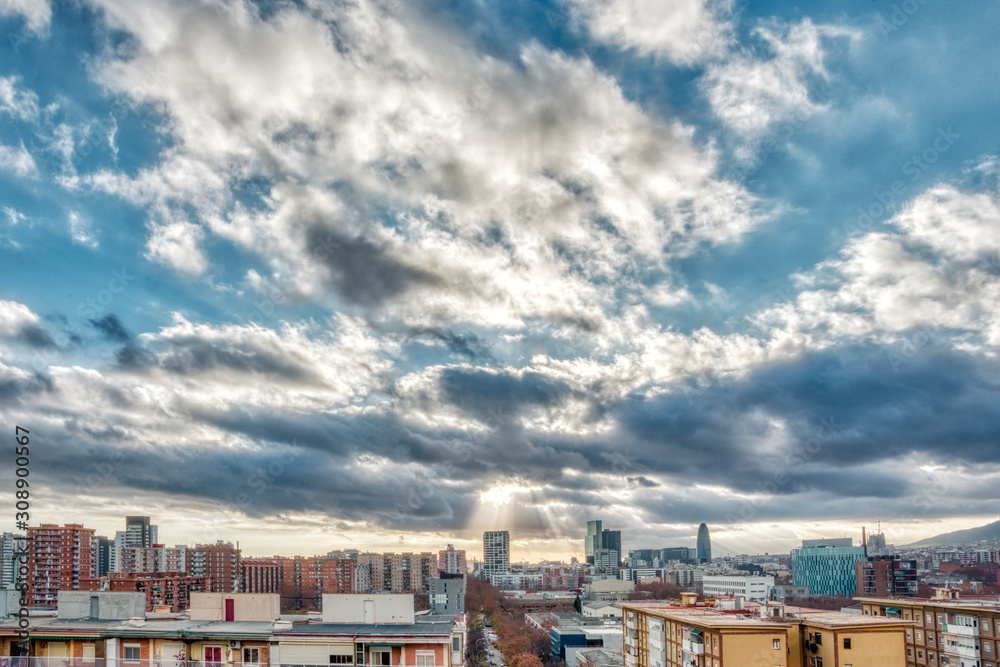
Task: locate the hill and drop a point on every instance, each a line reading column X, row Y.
column 989, row 532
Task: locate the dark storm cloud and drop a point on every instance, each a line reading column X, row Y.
column 488, row 396
column 35, row 336
column 363, row 271
column 112, row 329
column 467, row 345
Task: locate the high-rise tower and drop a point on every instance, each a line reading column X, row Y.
column 704, row 545
column 594, row 541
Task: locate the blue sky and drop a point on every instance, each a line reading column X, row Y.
column 311, row 275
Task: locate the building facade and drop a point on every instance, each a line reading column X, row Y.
column 58, row 558
column 447, row 595
column 756, row 588
column 260, row 575
column 9, row 545
column 496, row 553
column 886, row 576
column 827, row 567
column 452, row 560
column 219, row 562
column 948, row 631
column 673, row 635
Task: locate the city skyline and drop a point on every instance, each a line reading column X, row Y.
column 392, row 274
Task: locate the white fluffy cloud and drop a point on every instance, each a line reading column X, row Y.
column 509, row 188
column 14, row 318
column 36, row 13
column 684, row 31
column 17, row 160
column 940, row 270
column 752, row 93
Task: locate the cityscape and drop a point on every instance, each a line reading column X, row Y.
column 934, row 603
column 499, row 333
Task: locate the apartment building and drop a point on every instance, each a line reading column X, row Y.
column 164, row 591
column 949, row 631
column 260, row 575
column 886, row 576
column 690, row 635
column 58, row 558
column 220, row 562
column 398, row 573
column 452, row 560
column 238, row 630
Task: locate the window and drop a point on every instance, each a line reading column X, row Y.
column 919, row 635
column 818, row 639
column 251, row 656
column 920, row 654
column 715, row 643
column 380, row 658
column 340, row 660
column 131, row 652
column 909, row 635
column 847, row 642
column 776, row 644
column 213, row 656
column 456, row 644
column 425, row 658
column 909, row 652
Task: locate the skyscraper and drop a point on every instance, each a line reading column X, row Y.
column 496, row 552
column 611, row 541
column 593, row 541
column 139, row 532
column 704, row 545
column 9, row 544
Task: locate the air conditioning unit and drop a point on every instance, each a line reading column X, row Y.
column 234, row 644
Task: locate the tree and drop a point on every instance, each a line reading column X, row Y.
column 658, row 590
column 578, row 605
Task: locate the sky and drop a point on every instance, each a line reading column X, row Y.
column 375, row 274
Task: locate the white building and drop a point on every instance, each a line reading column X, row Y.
column 756, row 588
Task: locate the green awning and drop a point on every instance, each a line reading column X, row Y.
column 891, row 610
column 696, row 633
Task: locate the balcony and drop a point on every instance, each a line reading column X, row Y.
column 960, row 630
column 694, row 648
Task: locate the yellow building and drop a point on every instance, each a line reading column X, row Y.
column 661, row 634
column 947, row 631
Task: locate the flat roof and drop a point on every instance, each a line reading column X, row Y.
column 422, row 628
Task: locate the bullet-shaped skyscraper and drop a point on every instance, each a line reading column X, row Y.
column 704, row 545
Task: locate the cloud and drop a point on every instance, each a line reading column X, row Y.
column 686, row 32
column 176, row 245
column 751, row 94
column 938, row 272
column 112, row 329
column 36, row 13
column 18, row 160
column 461, row 203
column 80, row 230
column 19, row 324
